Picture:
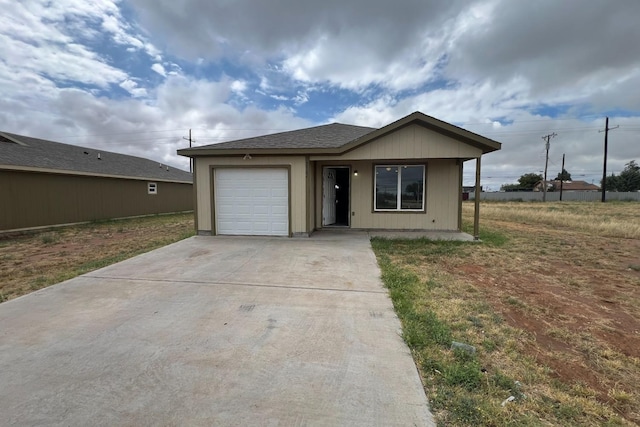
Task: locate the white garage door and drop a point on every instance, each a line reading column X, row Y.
column 253, row 202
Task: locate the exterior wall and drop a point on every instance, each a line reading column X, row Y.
column 297, row 183
column 33, row 199
column 411, row 142
column 442, row 197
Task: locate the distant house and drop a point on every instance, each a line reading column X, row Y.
column 45, row 183
column 554, row 185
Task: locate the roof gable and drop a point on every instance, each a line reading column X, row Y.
column 485, row 144
column 17, row 151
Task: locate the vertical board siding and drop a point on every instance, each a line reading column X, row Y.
column 32, row 199
column 411, row 142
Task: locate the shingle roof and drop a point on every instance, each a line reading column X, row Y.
column 326, row 136
column 24, row 151
column 575, row 185
column 335, row 139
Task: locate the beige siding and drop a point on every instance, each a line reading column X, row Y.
column 311, row 207
column 33, row 199
column 411, row 142
column 442, row 198
column 297, row 180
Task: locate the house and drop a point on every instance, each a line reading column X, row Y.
column 403, row 176
column 46, row 183
column 567, row 186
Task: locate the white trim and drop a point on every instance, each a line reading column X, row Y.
column 152, row 188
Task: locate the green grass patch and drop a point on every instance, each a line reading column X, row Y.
column 460, row 390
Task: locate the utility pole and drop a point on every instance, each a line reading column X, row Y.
column 604, row 169
column 561, row 176
column 190, row 142
column 547, row 138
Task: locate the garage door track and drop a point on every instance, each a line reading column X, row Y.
column 214, row 331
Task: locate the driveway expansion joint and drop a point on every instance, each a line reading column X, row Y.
column 221, row 283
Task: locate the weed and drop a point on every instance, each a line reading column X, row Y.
column 489, row 345
column 622, row 400
column 49, row 238
column 475, row 321
column 635, row 267
column 515, row 302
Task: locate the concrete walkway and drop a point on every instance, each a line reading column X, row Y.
column 214, row 331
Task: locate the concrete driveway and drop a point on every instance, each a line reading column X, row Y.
column 214, row 331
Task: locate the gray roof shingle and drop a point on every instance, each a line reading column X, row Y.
column 334, row 135
column 40, row 153
column 335, row 139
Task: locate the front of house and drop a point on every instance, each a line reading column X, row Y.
column 404, row 176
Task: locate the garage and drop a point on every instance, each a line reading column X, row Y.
column 252, row 201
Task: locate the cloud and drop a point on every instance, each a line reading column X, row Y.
column 238, row 86
column 132, row 87
column 158, row 68
column 567, row 47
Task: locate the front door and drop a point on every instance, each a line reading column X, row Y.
column 336, row 208
column 328, row 196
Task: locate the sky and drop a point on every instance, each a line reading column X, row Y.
column 133, row 76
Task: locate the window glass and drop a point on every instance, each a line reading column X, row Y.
column 412, row 187
column 399, row 187
column 386, row 187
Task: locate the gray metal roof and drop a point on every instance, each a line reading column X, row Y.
column 24, row 151
column 334, row 135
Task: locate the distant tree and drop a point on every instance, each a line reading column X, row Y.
column 529, row 180
column 526, row 182
column 628, row 180
column 510, row 187
column 563, row 176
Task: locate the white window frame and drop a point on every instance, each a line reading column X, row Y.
column 152, row 188
column 399, row 188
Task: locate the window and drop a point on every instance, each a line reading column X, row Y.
column 399, row 188
column 152, row 188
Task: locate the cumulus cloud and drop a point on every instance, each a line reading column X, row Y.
column 158, row 68
column 132, row 87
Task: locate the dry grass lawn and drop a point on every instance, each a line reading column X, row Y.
column 551, row 299
column 29, row 262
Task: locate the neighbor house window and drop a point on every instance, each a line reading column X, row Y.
column 399, row 188
column 152, row 188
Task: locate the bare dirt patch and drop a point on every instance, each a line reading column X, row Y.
column 32, row 261
column 574, row 292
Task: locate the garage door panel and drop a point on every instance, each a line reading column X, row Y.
column 252, row 201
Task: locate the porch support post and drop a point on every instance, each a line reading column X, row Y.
column 476, row 210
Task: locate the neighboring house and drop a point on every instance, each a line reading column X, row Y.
column 44, row 183
column 406, row 175
column 566, row 186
